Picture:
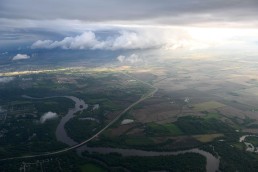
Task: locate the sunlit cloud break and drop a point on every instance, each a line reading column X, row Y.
column 170, row 39
column 125, row 40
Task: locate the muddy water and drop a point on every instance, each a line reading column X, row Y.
column 211, row 166
column 61, row 134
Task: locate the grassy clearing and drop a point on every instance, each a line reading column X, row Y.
column 253, row 126
column 195, row 125
column 166, row 129
column 173, row 129
column 207, row 137
column 208, row 105
column 183, row 162
column 253, row 140
column 240, row 146
column 211, row 115
column 79, row 130
column 91, row 167
column 138, row 141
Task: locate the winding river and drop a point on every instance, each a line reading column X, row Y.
column 61, row 135
column 211, row 166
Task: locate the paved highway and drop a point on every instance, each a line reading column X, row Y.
column 149, row 94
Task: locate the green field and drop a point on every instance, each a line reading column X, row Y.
column 207, row 105
column 134, row 141
column 253, row 140
column 91, row 168
column 165, row 129
column 196, row 125
column 211, row 115
column 207, row 137
column 183, row 162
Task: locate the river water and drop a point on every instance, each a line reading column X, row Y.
column 61, row 135
column 211, row 166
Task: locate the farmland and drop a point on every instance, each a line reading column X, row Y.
column 195, row 106
column 24, row 115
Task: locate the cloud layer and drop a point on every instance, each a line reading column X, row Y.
column 183, row 39
column 166, row 12
column 53, row 26
column 88, row 40
column 21, row 57
column 48, row 116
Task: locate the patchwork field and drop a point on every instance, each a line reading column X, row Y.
column 208, row 105
column 156, row 109
column 197, row 105
column 207, row 137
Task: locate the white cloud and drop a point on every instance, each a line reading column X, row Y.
column 21, row 57
column 136, row 40
column 88, row 40
column 19, row 26
column 183, row 38
column 133, row 58
column 42, row 44
column 6, row 79
column 48, row 116
column 121, row 58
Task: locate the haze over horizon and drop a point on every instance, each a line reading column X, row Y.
column 129, row 85
column 169, row 25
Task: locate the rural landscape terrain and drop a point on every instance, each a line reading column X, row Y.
column 129, row 86
column 199, row 115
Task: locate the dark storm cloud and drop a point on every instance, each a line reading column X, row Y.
column 164, row 11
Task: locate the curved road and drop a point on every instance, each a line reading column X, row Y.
column 151, row 93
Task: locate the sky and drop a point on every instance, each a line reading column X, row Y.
column 130, row 24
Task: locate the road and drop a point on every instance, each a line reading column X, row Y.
column 149, row 94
